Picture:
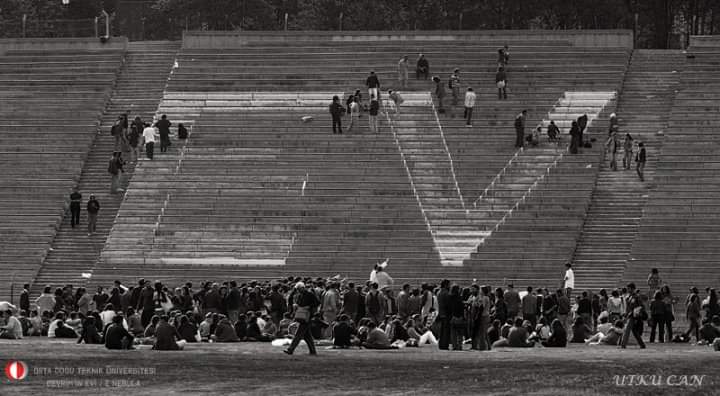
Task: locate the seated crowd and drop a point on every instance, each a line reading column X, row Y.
column 344, row 315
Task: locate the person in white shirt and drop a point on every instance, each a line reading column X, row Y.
column 469, row 105
column 12, row 329
column 354, row 113
column 569, row 280
column 149, row 138
column 395, row 100
column 403, row 68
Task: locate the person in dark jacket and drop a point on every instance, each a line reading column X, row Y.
column 582, row 124
column 232, row 302
column 422, row 68
column 580, row 331
column 165, row 336
column 115, row 168
column 343, row 332
column 457, row 319
column 350, row 302
column 635, row 314
column 146, row 303
column 520, row 129
column 278, row 307
column 558, row 335
column 640, row 160
column 304, row 305
column 25, row 298
column 187, row 329
column 444, row 314
column 439, row 93
column 575, row 138
column 182, row 131
column 336, row 112
column 75, row 202
column 93, row 207
column 657, row 314
column 163, row 127
column 373, row 84
column 116, row 337
column 373, row 114
column 89, row 333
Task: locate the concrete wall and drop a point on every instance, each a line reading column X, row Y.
column 39, row 44
column 580, row 38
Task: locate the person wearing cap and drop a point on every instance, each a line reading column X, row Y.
column 93, row 207
column 305, row 303
column 373, row 84
column 454, row 85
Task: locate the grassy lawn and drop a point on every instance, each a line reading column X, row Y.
column 253, row 368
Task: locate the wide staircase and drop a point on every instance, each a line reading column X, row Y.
column 52, row 101
column 679, row 230
column 359, row 199
column 138, row 92
column 619, row 196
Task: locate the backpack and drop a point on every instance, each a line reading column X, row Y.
column 116, row 129
column 374, row 303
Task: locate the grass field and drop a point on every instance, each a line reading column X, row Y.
column 252, row 368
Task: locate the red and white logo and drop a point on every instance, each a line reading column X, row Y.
column 16, row 370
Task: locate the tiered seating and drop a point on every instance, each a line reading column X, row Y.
column 51, row 104
column 679, row 231
column 619, row 198
column 362, row 208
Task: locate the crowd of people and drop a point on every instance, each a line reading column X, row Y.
column 342, row 314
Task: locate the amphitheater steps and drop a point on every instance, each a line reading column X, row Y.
column 139, row 90
column 617, row 204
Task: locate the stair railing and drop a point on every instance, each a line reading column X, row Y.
column 490, row 189
column 450, row 160
column 301, row 199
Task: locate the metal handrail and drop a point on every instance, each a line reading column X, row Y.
column 491, row 186
column 301, row 197
column 407, row 170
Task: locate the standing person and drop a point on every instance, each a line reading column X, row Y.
column 354, row 109
column 512, row 300
column 330, row 307
column 669, row 302
column 93, row 207
column 25, row 298
column 403, row 67
column 163, row 127
column 372, row 117
column 133, row 139
column 582, row 124
column 692, row 313
column 520, row 129
column 115, row 168
column 403, row 303
column 563, row 308
column 503, row 56
column 117, row 132
column 612, row 145
column 351, row 302
column 373, row 84
column 529, row 306
column 75, row 202
column 454, row 85
column 575, row 138
column 469, row 105
column 640, row 159
column 439, row 94
column 635, row 314
column 422, row 68
column 444, row 314
column 336, row 112
column 457, row 318
column 376, row 304
column 481, row 306
column 501, row 83
column 657, row 316
column 569, row 280
column 304, row 305
column 653, row 281
column 149, row 141
column 627, row 151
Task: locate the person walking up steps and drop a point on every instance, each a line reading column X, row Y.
column 373, row 84
column 640, row 160
column 163, row 127
column 93, row 207
column 372, row 117
column 336, row 112
column 149, row 139
column 115, row 168
column 454, row 85
column 520, row 129
column 501, row 83
column 75, row 202
column 439, row 94
column 628, row 151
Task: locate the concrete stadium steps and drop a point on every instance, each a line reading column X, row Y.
column 678, row 233
column 138, row 92
column 619, row 197
column 52, row 101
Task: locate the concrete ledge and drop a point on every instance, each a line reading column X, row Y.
column 239, row 39
column 39, row 44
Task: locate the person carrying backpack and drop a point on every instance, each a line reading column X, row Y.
column 116, row 131
column 115, row 168
column 375, row 303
